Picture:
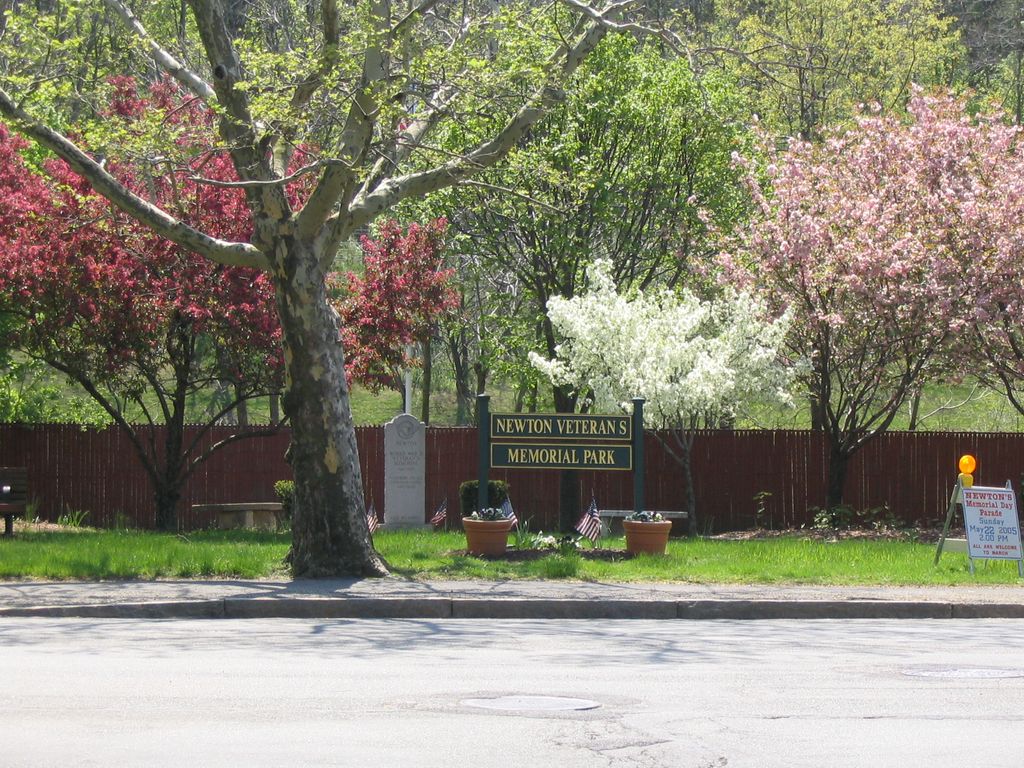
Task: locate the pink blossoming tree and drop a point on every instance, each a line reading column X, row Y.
column 992, row 235
column 866, row 238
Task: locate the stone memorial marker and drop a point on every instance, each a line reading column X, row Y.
column 404, row 473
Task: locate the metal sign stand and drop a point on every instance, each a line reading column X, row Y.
column 954, row 499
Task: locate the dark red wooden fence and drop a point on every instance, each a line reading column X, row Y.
column 911, row 472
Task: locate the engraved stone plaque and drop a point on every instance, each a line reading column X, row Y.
column 404, row 473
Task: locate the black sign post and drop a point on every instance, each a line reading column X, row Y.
column 638, row 454
column 483, row 420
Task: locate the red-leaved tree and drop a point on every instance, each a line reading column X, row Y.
column 139, row 322
column 398, row 302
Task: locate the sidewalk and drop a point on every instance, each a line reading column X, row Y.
column 399, row 598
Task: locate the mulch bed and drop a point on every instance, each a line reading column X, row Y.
column 41, row 526
column 526, row 555
column 922, row 535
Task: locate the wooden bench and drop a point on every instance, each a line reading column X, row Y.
column 611, row 519
column 263, row 515
column 13, row 495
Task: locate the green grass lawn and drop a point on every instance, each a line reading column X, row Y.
column 91, row 554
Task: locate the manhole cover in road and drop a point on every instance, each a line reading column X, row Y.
column 964, row 673
column 531, row 703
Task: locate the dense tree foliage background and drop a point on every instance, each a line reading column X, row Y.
column 543, row 148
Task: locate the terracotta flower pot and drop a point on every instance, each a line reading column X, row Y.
column 486, row 537
column 647, row 538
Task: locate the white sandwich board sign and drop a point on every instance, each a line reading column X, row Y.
column 993, row 527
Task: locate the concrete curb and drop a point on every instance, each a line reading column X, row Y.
column 522, row 608
column 205, row 609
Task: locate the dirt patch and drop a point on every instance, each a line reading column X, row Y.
column 38, row 527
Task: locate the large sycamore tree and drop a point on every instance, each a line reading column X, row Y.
column 366, row 83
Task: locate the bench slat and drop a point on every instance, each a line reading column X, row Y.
column 255, row 506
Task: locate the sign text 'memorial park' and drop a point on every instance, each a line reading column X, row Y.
column 527, row 456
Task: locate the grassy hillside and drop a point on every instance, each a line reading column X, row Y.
column 943, row 408
column 33, row 393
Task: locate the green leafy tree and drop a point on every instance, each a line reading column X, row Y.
column 993, row 33
column 30, row 394
column 810, row 63
column 629, row 168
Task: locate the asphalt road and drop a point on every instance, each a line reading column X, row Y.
column 406, row 693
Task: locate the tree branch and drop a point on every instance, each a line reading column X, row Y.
column 419, row 10
column 305, row 90
column 603, row 19
column 237, row 127
column 224, row 62
column 410, row 138
column 335, row 180
column 196, row 462
column 165, row 225
column 560, row 65
column 514, row 193
column 163, row 58
column 269, row 182
column 358, row 130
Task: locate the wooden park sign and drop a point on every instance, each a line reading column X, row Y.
column 561, row 441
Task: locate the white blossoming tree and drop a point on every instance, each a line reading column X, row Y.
column 692, row 361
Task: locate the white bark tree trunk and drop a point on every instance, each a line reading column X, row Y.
column 329, row 532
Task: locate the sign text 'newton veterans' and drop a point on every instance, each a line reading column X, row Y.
column 560, row 427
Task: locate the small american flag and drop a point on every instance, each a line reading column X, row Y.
column 441, row 515
column 590, row 524
column 371, row 519
column 510, row 513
